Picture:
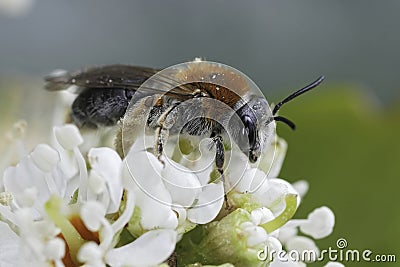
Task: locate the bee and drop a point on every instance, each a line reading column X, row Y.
column 198, row 98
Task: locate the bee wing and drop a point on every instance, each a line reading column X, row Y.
column 114, row 77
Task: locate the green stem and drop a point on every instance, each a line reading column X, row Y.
column 285, row 216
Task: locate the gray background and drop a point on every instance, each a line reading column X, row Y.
column 280, row 44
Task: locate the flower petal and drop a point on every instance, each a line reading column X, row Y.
column 271, row 162
column 141, row 170
column 261, row 216
column 107, row 163
column 287, row 233
column 272, row 193
column 9, row 246
column 155, row 214
column 182, row 184
column 45, row 157
column 319, row 223
column 92, row 213
column 301, row 187
column 301, row 244
column 141, row 173
column 235, row 169
column 256, row 235
column 55, row 249
column 201, row 162
column 149, row 249
column 91, row 253
column 26, row 175
column 209, row 204
column 68, row 136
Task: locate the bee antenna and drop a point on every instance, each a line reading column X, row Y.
column 298, row 93
column 286, row 121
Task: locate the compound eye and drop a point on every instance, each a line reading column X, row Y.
column 249, row 129
column 252, row 157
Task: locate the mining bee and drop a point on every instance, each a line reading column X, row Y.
column 198, row 98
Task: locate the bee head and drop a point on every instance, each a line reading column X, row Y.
column 257, row 127
column 254, row 129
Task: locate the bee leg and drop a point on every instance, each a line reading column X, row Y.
column 160, row 137
column 219, row 162
column 164, row 123
column 219, row 153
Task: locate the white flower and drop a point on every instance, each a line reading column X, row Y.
column 9, row 245
column 262, row 215
column 150, row 249
column 142, row 250
column 208, row 204
column 182, row 183
column 269, row 192
column 257, row 235
column 142, row 174
column 96, row 203
column 28, row 184
column 100, row 193
column 38, row 240
column 105, row 177
column 39, row 175
column 159, row 189
column 319, row 223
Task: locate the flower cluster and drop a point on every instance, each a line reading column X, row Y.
column 62, row 207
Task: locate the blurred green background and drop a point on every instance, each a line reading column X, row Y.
column 347, row 143
column 347, row 148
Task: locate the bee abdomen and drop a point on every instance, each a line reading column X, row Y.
column 100, row 107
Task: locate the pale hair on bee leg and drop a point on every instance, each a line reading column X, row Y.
column 133, row 124
column 164, row 123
